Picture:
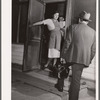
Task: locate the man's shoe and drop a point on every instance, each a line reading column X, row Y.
column 59, row 88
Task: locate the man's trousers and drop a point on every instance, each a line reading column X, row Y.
column 75, row 81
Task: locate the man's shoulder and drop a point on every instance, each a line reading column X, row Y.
column 91, row 28
column 74, row 25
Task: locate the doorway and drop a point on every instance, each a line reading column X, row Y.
column 49, row 9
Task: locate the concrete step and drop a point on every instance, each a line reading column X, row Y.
column 90, row 84
column 22, row 91
column 44, row 75
column 41, row 79
column 36, row 82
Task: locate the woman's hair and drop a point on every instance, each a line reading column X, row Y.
column 54, row 13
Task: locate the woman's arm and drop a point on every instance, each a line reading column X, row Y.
column 38, row 23
column 45, row 22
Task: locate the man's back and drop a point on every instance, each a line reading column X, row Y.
column 83, row 35
column 79, row 49
column 82, row 38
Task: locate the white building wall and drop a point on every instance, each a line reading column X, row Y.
column 90, row 72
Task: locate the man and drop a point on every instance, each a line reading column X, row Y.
column 79, row 49
column 61, row 22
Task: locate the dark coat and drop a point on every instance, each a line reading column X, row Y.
column 79, row 46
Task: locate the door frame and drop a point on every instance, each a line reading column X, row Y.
column 68, row 13
column 69, row 10
column 24, row 67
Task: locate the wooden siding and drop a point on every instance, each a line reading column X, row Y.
column 17, row 53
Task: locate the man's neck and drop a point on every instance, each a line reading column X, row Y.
column 84, row 22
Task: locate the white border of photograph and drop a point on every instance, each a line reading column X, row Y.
column 6, row 49
column 6, row 20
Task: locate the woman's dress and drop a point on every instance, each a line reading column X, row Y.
column 55, row 40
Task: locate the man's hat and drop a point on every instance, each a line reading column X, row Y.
column 85, row 16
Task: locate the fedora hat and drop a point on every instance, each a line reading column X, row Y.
column 85, row 16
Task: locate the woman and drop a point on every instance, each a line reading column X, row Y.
column 55, row 38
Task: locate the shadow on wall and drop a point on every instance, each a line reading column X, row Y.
column 85, row 5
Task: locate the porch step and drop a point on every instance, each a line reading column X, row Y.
column 44, row 75
column 40, row 79
column 36, row 82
